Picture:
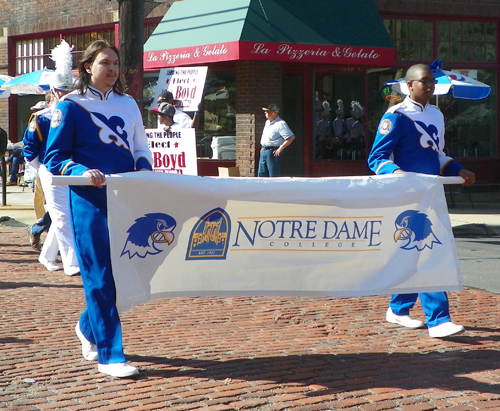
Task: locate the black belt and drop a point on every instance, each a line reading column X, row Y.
column 270, row 148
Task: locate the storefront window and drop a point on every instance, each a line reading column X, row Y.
column 413, row 38
column 467, row 41
column 457, row 40
column 80, row 42
column 471, row 125
column 471, row 129
column 34, row 54
column 339, row 116
column 216, row 131
column 150, row 81
column 219, row 117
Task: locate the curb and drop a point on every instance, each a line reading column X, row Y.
column 475, row 230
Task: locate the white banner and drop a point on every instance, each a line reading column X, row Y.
column 174, row 235
column 173, row 151
column 185, row 83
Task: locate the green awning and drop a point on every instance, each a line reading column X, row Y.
column 327, row 31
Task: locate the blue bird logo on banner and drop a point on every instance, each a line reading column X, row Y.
column 415, row 230
column 148, row 235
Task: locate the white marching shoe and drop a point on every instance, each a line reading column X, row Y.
column 72, row 270
column 50, row 265
column 118, row 369
column 89, row 350
column 404, row 320
column 445, row 330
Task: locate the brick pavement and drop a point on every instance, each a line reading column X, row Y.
column 239, row 353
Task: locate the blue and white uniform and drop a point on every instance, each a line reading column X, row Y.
column 410, row 137
column 60, row 236
column 35, row 136
column 104, row 132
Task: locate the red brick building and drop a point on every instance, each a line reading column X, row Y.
column 463, row 34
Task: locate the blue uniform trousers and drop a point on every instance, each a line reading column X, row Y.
column 435, row 306
column 100, row 322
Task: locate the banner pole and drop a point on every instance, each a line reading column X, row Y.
column 84, row 181
column 452, row 180
column 74, row 180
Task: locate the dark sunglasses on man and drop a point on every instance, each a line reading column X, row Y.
column 427, row 82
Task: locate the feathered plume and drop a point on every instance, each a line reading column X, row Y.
column 357, row 109
column 61, row 55
column 326, row 108
column 340, row 110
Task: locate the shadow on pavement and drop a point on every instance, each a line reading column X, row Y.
column 14, row 340
column 14, row 285
column 337, row 372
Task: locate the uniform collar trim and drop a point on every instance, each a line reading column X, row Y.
column 98, row 94
column 418, row 106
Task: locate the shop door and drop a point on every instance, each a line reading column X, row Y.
column 292, row 113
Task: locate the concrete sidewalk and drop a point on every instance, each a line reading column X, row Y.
column 18, row 204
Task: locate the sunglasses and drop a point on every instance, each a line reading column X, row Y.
column 427, row 82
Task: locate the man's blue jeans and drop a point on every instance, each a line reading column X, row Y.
column 16, row 158
column 269, row 165
column 41, row 225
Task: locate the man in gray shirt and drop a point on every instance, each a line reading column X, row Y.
column 275, row 138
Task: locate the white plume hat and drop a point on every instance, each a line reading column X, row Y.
column 326, row 106
column 357, row 109
column 39, row 106
column 62, row 77
column 340, row 110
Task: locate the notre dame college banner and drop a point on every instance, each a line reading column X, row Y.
column 177, row 235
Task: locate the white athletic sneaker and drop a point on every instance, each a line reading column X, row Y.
column 118, row 369
column 89, row 350
column 445, row 330
column 404, row 320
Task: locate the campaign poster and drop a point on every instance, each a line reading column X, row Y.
column 185, row 83
column 173, row 151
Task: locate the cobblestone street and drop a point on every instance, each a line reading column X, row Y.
column 239, row 353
